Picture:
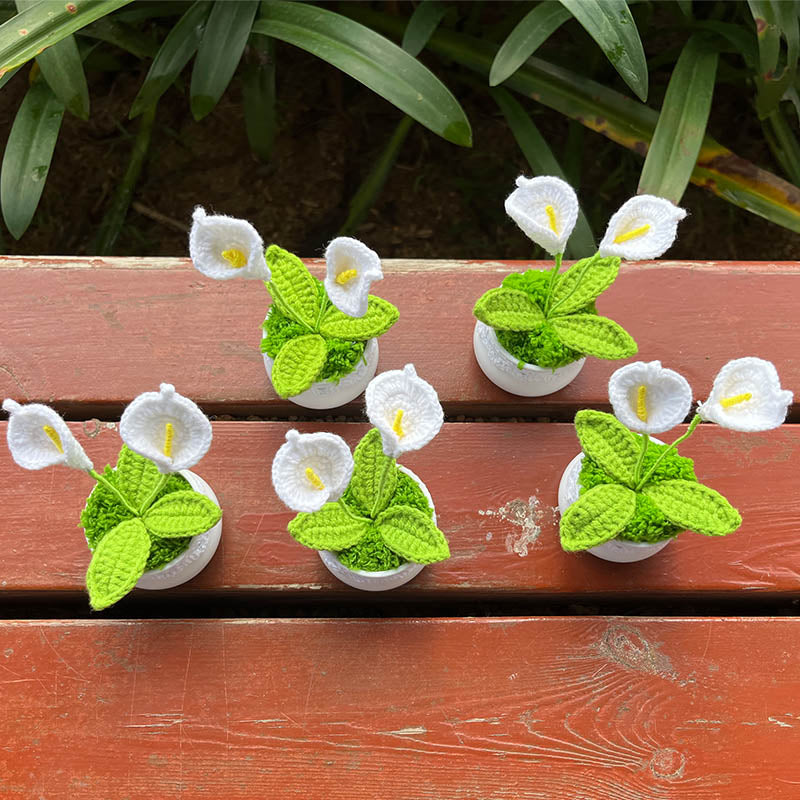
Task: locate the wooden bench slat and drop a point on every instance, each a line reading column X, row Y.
column 589, row 708
column 94, row 333
column 494, row 485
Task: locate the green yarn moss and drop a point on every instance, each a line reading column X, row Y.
column 648, row 523
column 343, row 356
column 103, row 512
column 542, row 345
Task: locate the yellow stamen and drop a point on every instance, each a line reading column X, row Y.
column 628, row 235
column 54, row 437
column 236, row 258
column 641, row 403
column 169, row 433
column 314, row 479
column 727, row 402
column 396, row 425
column 344, row 277
column 551, row 215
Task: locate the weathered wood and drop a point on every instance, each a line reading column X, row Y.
column 508, row 709
column 133, row 322
column 495, row 488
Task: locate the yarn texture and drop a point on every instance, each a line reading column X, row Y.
column 644, row 227
column 351, row 268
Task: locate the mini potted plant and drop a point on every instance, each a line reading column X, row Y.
column 149, row 522
column 319, row 339
column 534, row 332
column 372, row 520
column 627, row 495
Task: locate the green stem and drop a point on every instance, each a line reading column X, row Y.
column 154, row 493
column 575, row 287
column 113, row 489
column 692, row 425
column 645, row 442
column 553, row 278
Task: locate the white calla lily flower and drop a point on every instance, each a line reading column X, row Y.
column 546, row 209
column 405, row 409
column 167, row 428
column 352, row 267
column 747, row 396
column 644, row 227
column 649, row 398
column 225, row 247
column 38, row 438
column 311, row 469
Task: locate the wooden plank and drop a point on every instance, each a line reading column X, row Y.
column 132, row 322
column 508, row 709
column 494, row 485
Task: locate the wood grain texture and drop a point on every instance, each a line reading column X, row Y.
column 507, row 709
column 90, row 334
column 495, row 488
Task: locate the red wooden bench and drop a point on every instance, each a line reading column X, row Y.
column 463, row 706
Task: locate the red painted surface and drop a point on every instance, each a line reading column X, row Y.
column 494, row 486
column 93, row 333
column 508, row 709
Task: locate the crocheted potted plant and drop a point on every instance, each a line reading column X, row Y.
column 627, row 494
column 320, row 338
column 149, row 522
column 534, row 332
column 372, row 520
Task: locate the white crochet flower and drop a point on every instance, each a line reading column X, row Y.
column 351, row 269
column 167, row 428
column 649, row 398
column 38, row 438
column 225, row 247
column 747, row 396
column 546, row 209
column 311, row 469
column 405, row 409
column 644, row 227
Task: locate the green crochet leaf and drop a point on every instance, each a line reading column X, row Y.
column 181, row 514
column 117, row 563
column 508, row 310
column 296, row 292
column 374, row 479
column 330, row 528
column 380, row 316
column 694, row 507
column 137, row 476
column 412, row 534
column 298, row 364
column 597, row 516
column 594, row 336
column 608, row 442
column 582, row 283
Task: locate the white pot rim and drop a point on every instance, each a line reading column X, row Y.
column 526, row 367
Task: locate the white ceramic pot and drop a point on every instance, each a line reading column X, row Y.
column 192, row 560
column 500, row 367
column 330, row 394
column 385, row 579
column 617, row 550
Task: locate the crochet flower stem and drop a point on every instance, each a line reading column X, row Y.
column 113, row 489
column 159, row 486
column 578, row 282
column 692, row 425
column 553, row 279
column 645, row 442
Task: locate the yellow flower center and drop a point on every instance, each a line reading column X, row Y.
column 54, row 437
column 236, row 258
column 345, row 277
column 628, row 235
column 551, row 216
column 169, row 435
column 314, row 479
column 641, row 403
column 727, row 402
column 397, row 426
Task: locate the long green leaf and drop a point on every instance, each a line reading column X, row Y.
column 681, row 125
column 173, row 55
column 120, row 34
column 611, row 25
column 28, row 33
column 422, row 23
column 258, row 93
column 372, row 59
column 775, row 19
column 8, row 76
column 542, row 162
column 29, row 151
column 784, row 144
column 224, row 38
column 531, row 31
